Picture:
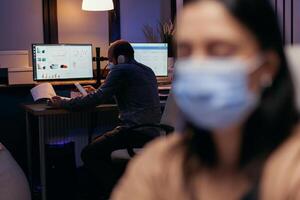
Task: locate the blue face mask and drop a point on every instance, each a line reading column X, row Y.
column 213, row 94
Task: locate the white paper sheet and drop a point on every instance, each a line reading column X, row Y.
column 43, row 91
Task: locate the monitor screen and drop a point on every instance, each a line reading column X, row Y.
column 153, row 55
column 62, row 62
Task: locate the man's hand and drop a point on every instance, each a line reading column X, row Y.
column 89, row 88
column 55, row 102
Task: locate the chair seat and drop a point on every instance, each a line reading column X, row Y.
column 122, row 154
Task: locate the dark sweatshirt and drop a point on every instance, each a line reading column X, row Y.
column 135, row 89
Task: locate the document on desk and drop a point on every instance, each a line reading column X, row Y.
column 43, row 91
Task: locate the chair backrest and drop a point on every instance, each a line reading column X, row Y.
column 170, row 116
column 13, row 183
column 293, row 56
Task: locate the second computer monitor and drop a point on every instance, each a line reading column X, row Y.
column 153, row 55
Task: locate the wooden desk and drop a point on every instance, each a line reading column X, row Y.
column 44, row 110
column 47, row 119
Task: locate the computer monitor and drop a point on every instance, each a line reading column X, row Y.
column 57, row 62
column 153, row 55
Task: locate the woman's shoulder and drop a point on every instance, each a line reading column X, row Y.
column 148, row 174
column 287, row 153
column 281, row 175
column 160, row 151
column 166, row 141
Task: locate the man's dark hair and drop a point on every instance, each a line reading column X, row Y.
column 122, row 47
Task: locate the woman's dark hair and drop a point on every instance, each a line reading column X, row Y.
column 273, row 120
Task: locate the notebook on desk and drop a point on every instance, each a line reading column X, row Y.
column 43, row 91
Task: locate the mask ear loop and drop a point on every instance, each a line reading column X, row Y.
column 255, row 64
column 265, row 80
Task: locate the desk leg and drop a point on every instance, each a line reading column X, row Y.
column 29, row 150
column 42, row 156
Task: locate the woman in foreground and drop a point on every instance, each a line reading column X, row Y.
column 234, row 89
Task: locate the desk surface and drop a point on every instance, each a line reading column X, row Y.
column 43, row 109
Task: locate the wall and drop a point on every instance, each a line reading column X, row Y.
column 21, row 21
column 137, row 13
column 179, row 4
column 78, row 26
column 25, row 25
column 297, row 21
column 287, row 27
column 21, row 24
column 288, row 19
column 165, row 10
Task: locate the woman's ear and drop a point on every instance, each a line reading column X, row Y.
column 271, row 64
column 269, row 68
column 263, row 77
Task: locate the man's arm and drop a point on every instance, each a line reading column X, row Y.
column 112, row 84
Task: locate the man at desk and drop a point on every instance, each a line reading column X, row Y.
column 135, row 89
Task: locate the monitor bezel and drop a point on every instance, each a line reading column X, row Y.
column 64, row 79
column 158, row 76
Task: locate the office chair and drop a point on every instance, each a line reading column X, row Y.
column 127, row 154
column 169, row 122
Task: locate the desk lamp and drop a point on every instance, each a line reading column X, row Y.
column 98, row 5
